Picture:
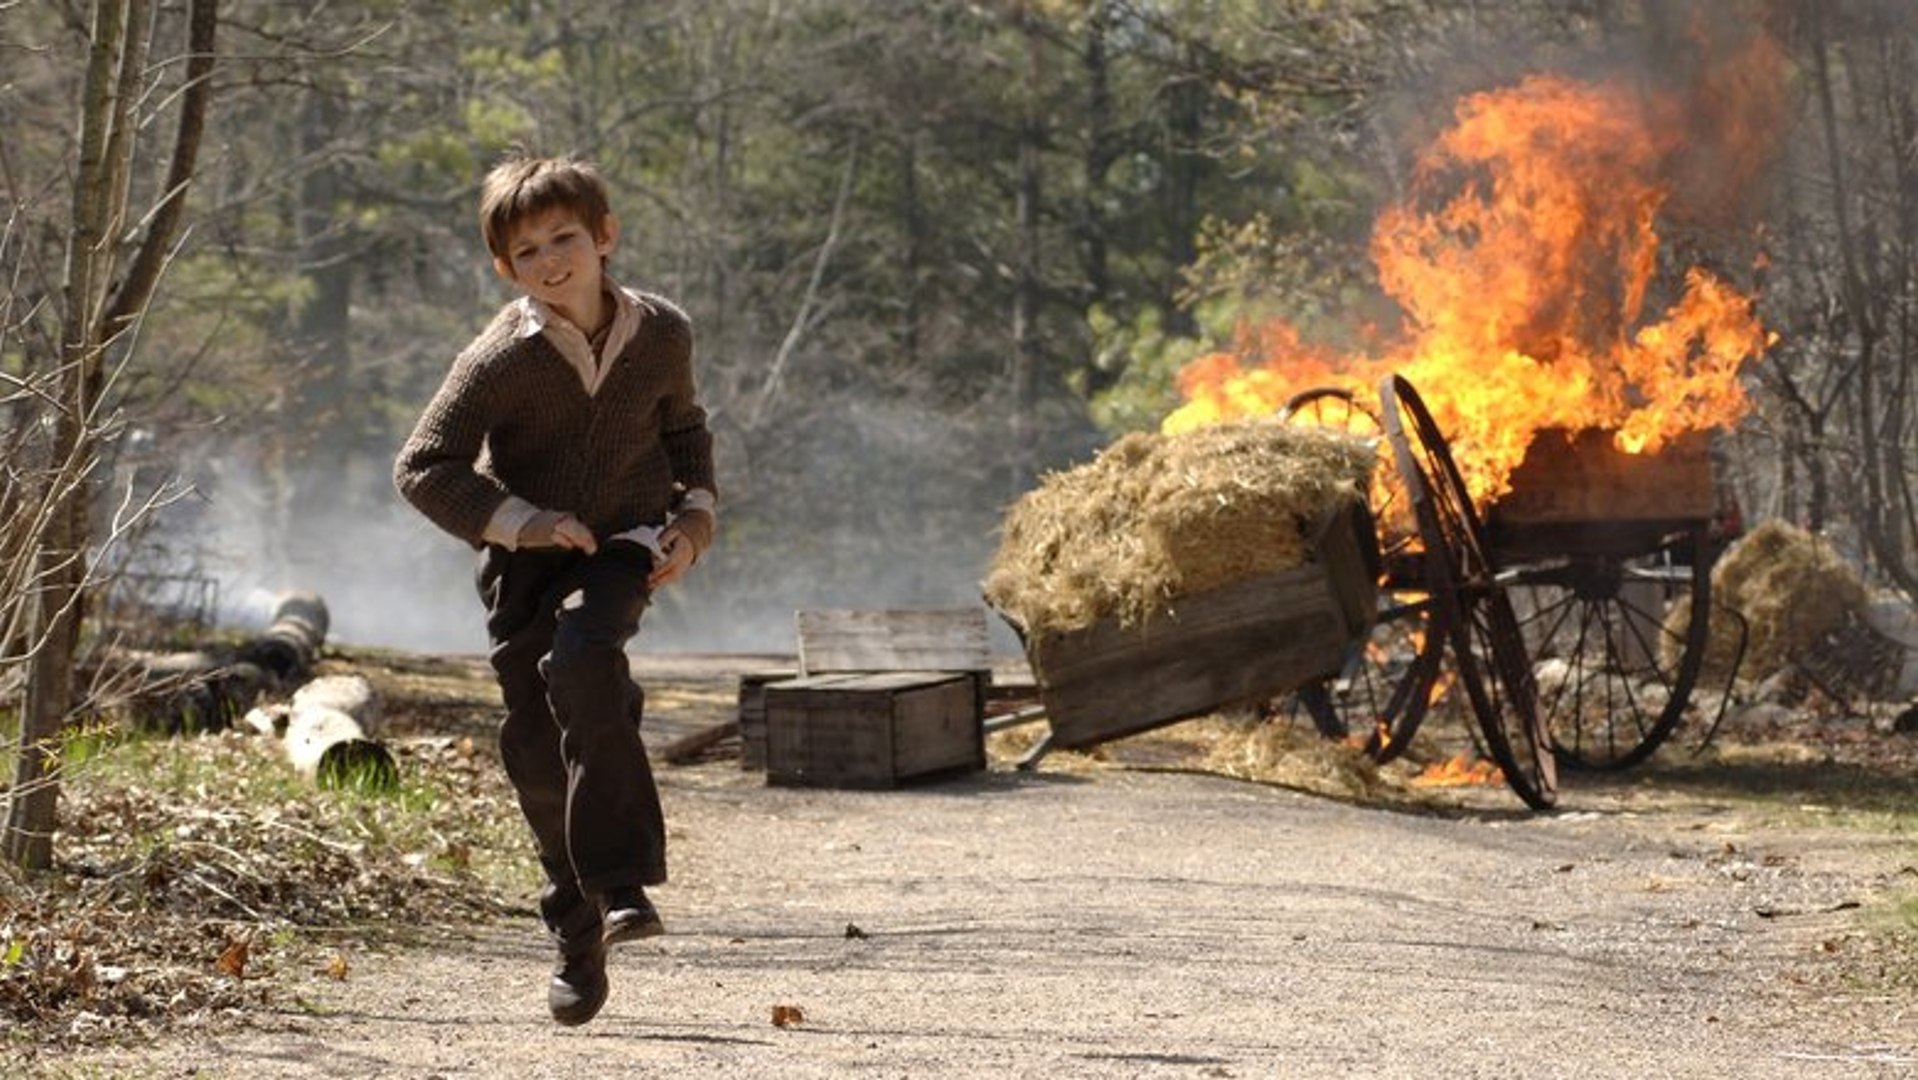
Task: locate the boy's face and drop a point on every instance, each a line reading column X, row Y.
column 553, row 257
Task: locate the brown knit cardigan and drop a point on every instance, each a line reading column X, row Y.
column 512, row 417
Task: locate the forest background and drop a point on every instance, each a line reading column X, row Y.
column 932, row 250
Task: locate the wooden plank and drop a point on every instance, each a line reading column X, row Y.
column 933, row 639
column 1243, row 641
column 1584, row 477
column 1347, row 545
column 694, row 745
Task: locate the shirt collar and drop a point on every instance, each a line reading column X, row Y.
column 630, row 308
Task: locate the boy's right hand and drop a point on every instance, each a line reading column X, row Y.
column 556, row 528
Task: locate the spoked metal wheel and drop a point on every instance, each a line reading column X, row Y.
column 1488, row 653
column 1382, row 691
column 1616, row 645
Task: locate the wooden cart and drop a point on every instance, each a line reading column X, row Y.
column 1576, row 607
column 1574, row 617
column 1304, row 631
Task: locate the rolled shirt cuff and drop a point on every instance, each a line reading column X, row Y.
column 700, row 499
column 646, row 536
column 510, row 517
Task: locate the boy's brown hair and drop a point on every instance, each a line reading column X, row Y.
column 522, row 186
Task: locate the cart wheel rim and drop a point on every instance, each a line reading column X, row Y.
column 1617, row 668
column 1488, row 653
column 1385, row 685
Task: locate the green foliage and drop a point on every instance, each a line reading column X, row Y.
column 490, row 124
column 1147, row 360
column 90, row 741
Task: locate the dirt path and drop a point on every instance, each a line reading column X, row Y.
column 1130, row 923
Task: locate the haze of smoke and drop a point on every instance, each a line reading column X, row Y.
column 873, row 513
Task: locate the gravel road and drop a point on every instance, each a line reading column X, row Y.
column 1110, row 922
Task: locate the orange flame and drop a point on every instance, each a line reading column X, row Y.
column 1460, row 771
column 1525, row 268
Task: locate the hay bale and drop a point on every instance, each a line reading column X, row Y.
column 1794, row 592
column 1154, row 517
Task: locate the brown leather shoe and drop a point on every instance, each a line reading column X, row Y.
column 579, row 985
column 629, row 916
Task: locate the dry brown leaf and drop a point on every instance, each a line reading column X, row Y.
column 233, row 959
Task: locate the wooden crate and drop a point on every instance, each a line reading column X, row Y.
column 872, row 729
column 752, row 715
column 1245, row 641
column 1580, row 495
column 1586, row 478
column 927, row 639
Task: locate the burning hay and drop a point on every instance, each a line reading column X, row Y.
column 1155, row 517
column 1793, row 592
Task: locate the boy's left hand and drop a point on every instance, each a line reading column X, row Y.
column 680, row 554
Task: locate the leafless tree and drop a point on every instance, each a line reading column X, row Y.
column 114, row 255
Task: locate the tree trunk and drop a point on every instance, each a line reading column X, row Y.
column 1025, row 296
column 116, row 68
column 1185, row 118
column 34, row 799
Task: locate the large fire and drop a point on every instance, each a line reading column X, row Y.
column 1525, row 264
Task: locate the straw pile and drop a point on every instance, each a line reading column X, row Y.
column 1276, row 753
column 1156, row 517
column 1793, row 591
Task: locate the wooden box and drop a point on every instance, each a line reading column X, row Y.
column 872, row 729
column 1248, row 640
column 752, row 715
column 927, row 639
column 1586, row 477
column 1579, row 493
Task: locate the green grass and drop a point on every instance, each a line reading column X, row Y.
column 1790, row 792
column 417, row 813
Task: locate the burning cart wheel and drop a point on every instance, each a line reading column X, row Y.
column 1488, row 652
column 1386, row 682
column 1616, row 646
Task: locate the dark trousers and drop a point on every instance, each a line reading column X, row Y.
column 559, row 622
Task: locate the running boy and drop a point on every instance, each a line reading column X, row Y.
column 567, row 443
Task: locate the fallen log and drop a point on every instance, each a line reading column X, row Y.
column 191, row 692
column 206, row 689
column 291, row 642
column 325, row 733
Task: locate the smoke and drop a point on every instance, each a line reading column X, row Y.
column 388, row 577
column 883, row 508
